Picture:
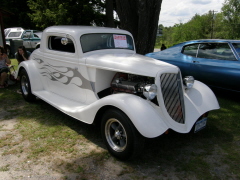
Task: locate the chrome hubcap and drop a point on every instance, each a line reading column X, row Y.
column 24, row 85
column 116, row 135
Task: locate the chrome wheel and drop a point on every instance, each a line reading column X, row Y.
column 116, row 135
column 24, row 85
column 121, row 137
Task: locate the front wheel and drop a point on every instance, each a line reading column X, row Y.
column 121, row 137
column 25, row 87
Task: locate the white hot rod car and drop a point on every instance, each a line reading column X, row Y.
column 94, row 75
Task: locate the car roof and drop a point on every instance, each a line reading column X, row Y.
column 211, row 40
column 79, row 30
column 15, row 28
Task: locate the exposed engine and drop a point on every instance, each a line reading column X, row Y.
column 130, row 83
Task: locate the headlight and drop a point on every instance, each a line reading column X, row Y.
column 188, row 81
column 150, row 91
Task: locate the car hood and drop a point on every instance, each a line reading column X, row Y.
column 129, row 62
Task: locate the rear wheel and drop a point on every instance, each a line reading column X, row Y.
column 8, row 51
column 121, row 137
column 25, row 87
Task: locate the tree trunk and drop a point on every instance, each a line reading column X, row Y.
column 109, row 13
column 140, row 17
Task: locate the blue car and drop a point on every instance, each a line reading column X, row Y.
column 213, row 62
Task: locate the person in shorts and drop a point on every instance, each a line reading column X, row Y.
column 4, row 60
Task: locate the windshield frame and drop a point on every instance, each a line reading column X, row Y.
column 105, row 41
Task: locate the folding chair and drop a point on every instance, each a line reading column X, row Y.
column 11, row 75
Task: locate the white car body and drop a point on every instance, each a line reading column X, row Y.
column 71, row 82
column 13, row 33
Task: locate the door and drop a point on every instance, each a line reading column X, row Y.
column 61, row 69
column 216, row 65
column 35, row 39
column 27, row 37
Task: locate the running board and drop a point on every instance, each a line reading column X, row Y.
column 68, row 106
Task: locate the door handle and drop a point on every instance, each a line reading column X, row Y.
column 195, row 61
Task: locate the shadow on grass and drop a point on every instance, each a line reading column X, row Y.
column 230, row 95
column 181, row 152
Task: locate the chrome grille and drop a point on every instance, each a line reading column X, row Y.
column 173, row 96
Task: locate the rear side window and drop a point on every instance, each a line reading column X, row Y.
column 237, row 47
column 190, row 50
column 220, row 51
column 59, row 43
column 14, row 34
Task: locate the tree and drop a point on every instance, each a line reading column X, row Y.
column 20, row 17
column 231, row 13
column 109, row 13
column 61, row 12
column 140, row 17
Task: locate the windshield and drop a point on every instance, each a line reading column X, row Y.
column 237, row 47
column 92, row 42
column 6, row 31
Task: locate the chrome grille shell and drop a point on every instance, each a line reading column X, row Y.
column 172, row 93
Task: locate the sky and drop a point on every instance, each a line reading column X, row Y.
column 181, row 11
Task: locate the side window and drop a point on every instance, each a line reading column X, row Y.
column 237, row 47
column 35, row 36
column 220, row 51
column 14, row 34
column 27, row 35
column 190, row 50
column 55, row 43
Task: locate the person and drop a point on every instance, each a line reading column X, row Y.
column 163, row 47
column 22, row 54
column 4, row 60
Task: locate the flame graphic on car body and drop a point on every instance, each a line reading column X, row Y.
column 64, row 75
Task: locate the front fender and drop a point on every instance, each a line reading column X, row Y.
column 141, row 112
column 199, row 100
column 31, row 67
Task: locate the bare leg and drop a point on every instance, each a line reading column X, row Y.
column 3, row 78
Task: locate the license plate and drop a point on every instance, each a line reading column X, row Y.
column 200, row 124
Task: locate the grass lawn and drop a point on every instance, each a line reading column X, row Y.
column 43, row 134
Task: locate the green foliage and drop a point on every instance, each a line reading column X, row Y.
column 39, row 14
column 222, row 25
column 60, row 12
column 231, row 18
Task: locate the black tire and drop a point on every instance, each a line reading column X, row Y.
column 25, row 87
column 121, row 137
